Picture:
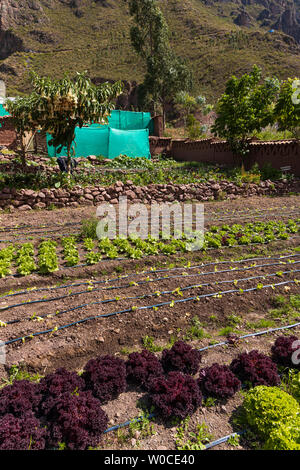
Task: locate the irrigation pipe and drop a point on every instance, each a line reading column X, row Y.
column 152, row 294
column 147, row 307
column 154, row 271
column 66, row 226
column 44, row 234
column 214, row 214
column 126, row 286
column 215, row 443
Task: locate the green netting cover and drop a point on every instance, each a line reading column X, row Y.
column 96, row 139
column 129, row 120
column 3, row 111
column 92, row 140
column 133, row 143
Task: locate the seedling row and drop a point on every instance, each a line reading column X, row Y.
column 50, row 255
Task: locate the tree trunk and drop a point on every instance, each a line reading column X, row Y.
column 69, row 161
column 23, row 152
column 164, row 115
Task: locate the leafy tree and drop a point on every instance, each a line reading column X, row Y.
column 166, row 74
column 187, row 106
column 58, row 106
column 287, row 109
column 24, row 112
column 246, row 107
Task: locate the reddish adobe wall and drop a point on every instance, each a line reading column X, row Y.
column 159, row 145
column 278, row 154
column 8, row 135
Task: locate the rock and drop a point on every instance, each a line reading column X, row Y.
column 130, row 194
column 25, row 207
column 39, row 205
column 29, row 193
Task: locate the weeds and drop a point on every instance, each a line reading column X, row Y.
column 187, row 440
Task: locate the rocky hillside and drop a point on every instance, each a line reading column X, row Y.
column 217, row 38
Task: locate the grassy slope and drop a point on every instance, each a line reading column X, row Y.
column 206, row 37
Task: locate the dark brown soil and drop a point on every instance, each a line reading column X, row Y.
column 124, row 332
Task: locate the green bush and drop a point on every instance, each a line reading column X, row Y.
column 284, row 437
column 294, row 385
column 89, row 228
column 268, row 408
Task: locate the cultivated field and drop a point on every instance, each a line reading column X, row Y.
column 137, row 298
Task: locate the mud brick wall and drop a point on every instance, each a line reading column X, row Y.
column 277, row 154
column 8, row 135
column 159, row 145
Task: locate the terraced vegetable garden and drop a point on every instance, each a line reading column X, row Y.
column 156, row 341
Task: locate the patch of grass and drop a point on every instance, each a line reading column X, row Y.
column 209, row 402
column 226, row 331
column 234, row 320
column 192, row 440
column 16, row 373
column 88, row 228
column 262, row 323
column 287, row 307
column 148, row 343
column 234, row 440
column 142, row 427
column 195, row 331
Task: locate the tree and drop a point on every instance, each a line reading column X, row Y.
column 187, row 106
column 246, row 107
column 59, row 106
column 166, row 74
column 24, row 114
column 287, row 109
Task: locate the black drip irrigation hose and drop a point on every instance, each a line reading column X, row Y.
column 147, row 307
column 139, row 419
column 213, row 214
column 224, row 439
column 212, row 444
column 66, row 226
column 154, row 271
column 152, row 294
column 126, row 286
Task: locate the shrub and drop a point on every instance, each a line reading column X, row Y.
column 282, row 351
column 54, row 385
column 255, row 368
column 267, row 407
column 176, row 395
column 284, row 437
column 105, row 376
column 294, row 385
column 142, row 366
column 181, row 357
column 77, row 420
column 218, row 381
column 23, row 433
column 20, row 398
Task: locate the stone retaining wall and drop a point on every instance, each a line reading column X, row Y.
column 27, row 199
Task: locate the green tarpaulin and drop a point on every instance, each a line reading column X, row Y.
column 3, row 111
column 133, row 143
column 127, row 133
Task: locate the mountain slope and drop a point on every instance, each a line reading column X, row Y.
column 217, row 38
